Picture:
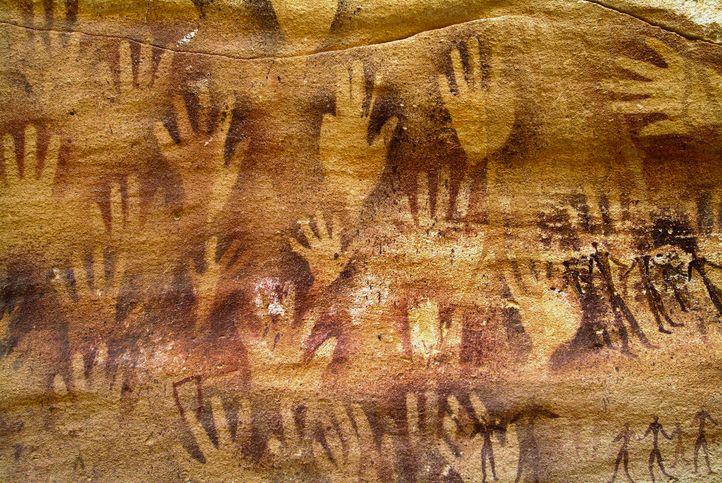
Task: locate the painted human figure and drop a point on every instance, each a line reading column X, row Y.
column 578, row 274
column 678, row 446
column 700, row 264
column 654, row 299
column 655, row 427
column 487, row 429
column 674, row 278
column 625, row 435
column 528, row 445
column 701, row 418
column 602, row 259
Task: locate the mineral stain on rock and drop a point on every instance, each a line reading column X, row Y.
column 275, row 240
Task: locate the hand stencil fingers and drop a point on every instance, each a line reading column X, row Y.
column 463, row 197
column 145, row 66
column 163, row 138
column 226, row 116
column 125, row 68
column 298, row 248
column 445, row 88
column 12, row 169
column 357, row 91
column 77, row 365
column 670, row 56
column 204, row 106
column 458, row 70
column 30, row 157
column 664, row 128
column 220, row 422
column 639, row 106
column 311, row 237
column 183, row 122
column 475, row 67
column 443, row 194
column 321, row 226
column 50, row 167
column 478, row 406
column 641, row 68
column 445, row 444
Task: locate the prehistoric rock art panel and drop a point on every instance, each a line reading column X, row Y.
column 360, row 241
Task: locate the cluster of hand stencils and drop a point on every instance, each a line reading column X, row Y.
column 438, row 231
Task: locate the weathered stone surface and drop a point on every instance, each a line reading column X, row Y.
column 414, row 240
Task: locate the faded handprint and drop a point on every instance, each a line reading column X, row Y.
column 206, row 282
column 690, row 96
column 481, row 107
column 459, row 446
column 139, row 230
column 298, row 31
column 54, row 71
column 296, row 442
column 352, row 162
column 129, row 105
column 89, row 375
column 95, row 399
column 345, row 448
column 203, row 457
column 335, row 449
column 425, row 331
column 281, row 346
column 433, row 339
column 200, row 157
column 466, row 442
column 440, row 238
column 325, row 255
column 91, row 290
column 275, row 302
column 142, row 247
column 30, row 213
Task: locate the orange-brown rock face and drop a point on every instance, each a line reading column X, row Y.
column 360, row 240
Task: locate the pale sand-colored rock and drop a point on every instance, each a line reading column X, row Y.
column 355, row 225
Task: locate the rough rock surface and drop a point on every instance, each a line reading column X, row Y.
column 360, row 240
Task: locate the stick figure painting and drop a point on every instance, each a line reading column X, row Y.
column 345, row 240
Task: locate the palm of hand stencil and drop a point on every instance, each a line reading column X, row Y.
column 352, row 162
column 200, row 157
column 481, row 109
column 324, row 254
column 30, row 211
column 437, row 242
column 690, row 97
column 54, row 62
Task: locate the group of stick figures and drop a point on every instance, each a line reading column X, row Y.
column 700, row 419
